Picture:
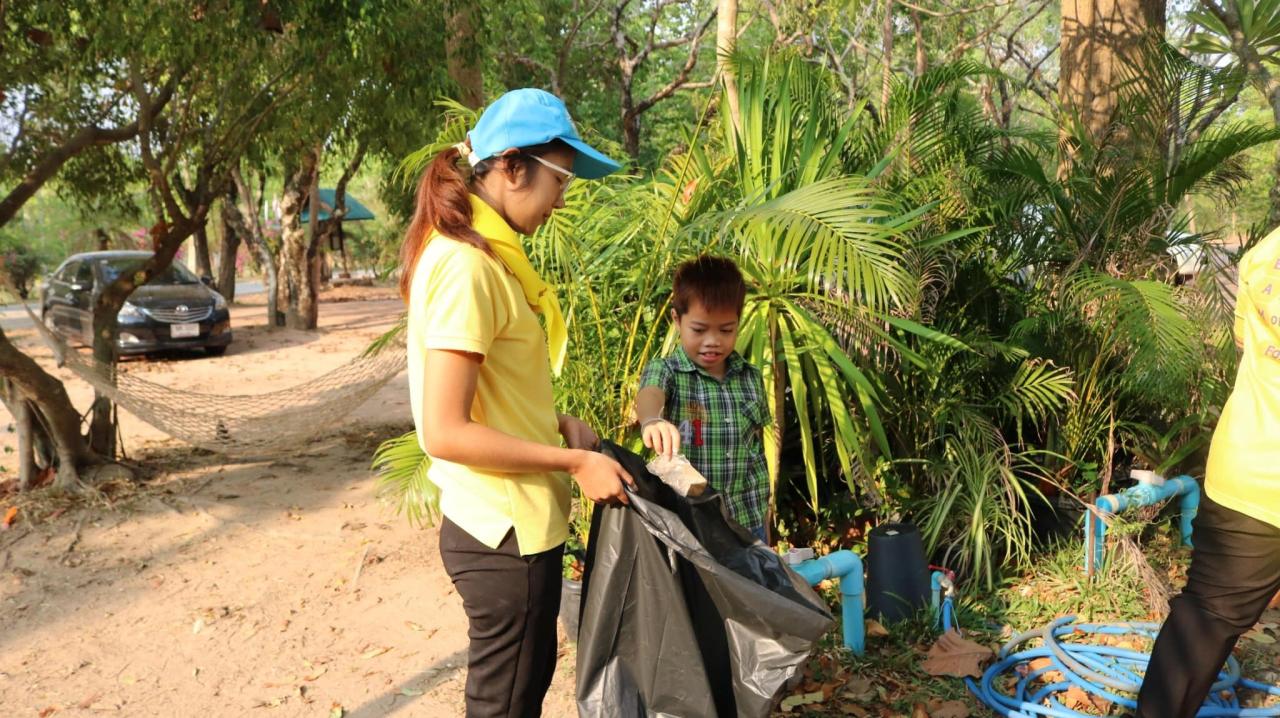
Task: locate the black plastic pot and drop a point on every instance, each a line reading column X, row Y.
column 570, row 607
column 897, row 572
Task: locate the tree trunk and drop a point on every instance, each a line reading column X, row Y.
column 922, row 57
column 248, row 223
column 297, row 291
column 229, row 251
column 315, row 252
column 56, row 412
column 25, row 426
column 886, row 50
column 204, row 265
column 26, row 444
column 726, row 41
column 630, row 126
column 107, row 304
column 1273, row 217
column 331, row 229
column 1102, row 44
column 1273, row 99
column 463, row 51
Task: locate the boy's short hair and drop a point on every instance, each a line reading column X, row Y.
column 715, row 282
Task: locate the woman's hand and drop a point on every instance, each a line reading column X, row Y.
column 600, row 477
column 577, row 434
column 662, row 436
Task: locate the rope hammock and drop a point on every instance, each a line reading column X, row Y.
column 238, row 424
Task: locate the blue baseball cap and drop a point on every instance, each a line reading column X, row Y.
column 528, row 117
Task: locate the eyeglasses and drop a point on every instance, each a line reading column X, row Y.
column 568, row 175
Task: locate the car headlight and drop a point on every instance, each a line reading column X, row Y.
column 129, row 312
column 218, row 302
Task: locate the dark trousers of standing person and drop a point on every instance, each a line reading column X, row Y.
column 1234, row 573
column 512, row 603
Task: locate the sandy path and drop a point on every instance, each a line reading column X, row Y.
column 228, row 589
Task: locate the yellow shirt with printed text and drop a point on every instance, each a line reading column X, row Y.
column 464, row 299
column 1243, row 472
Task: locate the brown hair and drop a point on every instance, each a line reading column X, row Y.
column 715, row 282
column 443, row 204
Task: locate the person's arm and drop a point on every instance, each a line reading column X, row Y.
column 659, row 434
column 451, row 435
column 577, row 433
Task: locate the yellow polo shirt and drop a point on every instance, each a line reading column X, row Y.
column 1243, row 472
column 464, row 299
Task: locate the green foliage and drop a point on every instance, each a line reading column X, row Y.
column 977, row 512
column 951, row 318
column 1259, row 23
column 20, row 264
column 400, row 467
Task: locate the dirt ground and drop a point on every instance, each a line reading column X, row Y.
column 217, row 588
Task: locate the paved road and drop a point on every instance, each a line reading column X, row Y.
column 13, row 316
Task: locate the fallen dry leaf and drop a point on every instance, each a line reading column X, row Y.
column 46, row 712
column 10, row 516
column 336, row 711
column 1076, row 698
column 852, row 709
column 957, row 657
column 1258, row 636
column 919, row 711
column 875, row 629
column 791, row 703
column 948, row 709
column 373, row 653
column 860, row 690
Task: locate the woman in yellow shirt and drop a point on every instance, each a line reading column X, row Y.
column 480, row 387
column 1235, row 564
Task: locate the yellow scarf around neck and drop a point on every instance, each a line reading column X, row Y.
column 541, row 297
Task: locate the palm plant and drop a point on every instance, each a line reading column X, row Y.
column 824, row 250
column 1104, row 299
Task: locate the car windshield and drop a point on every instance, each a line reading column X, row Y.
column 173, row 274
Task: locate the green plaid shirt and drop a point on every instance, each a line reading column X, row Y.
column 721, row 426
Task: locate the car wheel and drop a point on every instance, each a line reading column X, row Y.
column 215, row 351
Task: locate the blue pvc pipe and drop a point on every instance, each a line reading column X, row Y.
column 847, row 567
column 936, row 580
column 1095, row 530
column 1107, row 672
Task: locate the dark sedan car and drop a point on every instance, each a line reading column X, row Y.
column 175, row 310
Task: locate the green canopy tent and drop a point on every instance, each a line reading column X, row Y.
column 356, row 212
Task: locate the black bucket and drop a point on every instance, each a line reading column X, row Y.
column 570, row 607
column 897, row 572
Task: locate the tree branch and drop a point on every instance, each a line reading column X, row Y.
column 954, row 11
column 683, row 76
column 84, row 138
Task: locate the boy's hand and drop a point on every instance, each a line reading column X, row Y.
column 577, row 434
column 662, row 436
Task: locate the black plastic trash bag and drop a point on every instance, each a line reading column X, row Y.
column 684, row 613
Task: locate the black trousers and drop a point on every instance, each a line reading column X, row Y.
column 512, row 603
column 1234, row 573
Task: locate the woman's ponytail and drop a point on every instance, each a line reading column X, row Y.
column 443, row 206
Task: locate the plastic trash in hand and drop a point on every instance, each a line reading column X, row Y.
column 679, row 474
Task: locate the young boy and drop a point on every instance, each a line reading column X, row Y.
column 705, row 399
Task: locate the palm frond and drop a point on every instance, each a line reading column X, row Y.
column 400, row 467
